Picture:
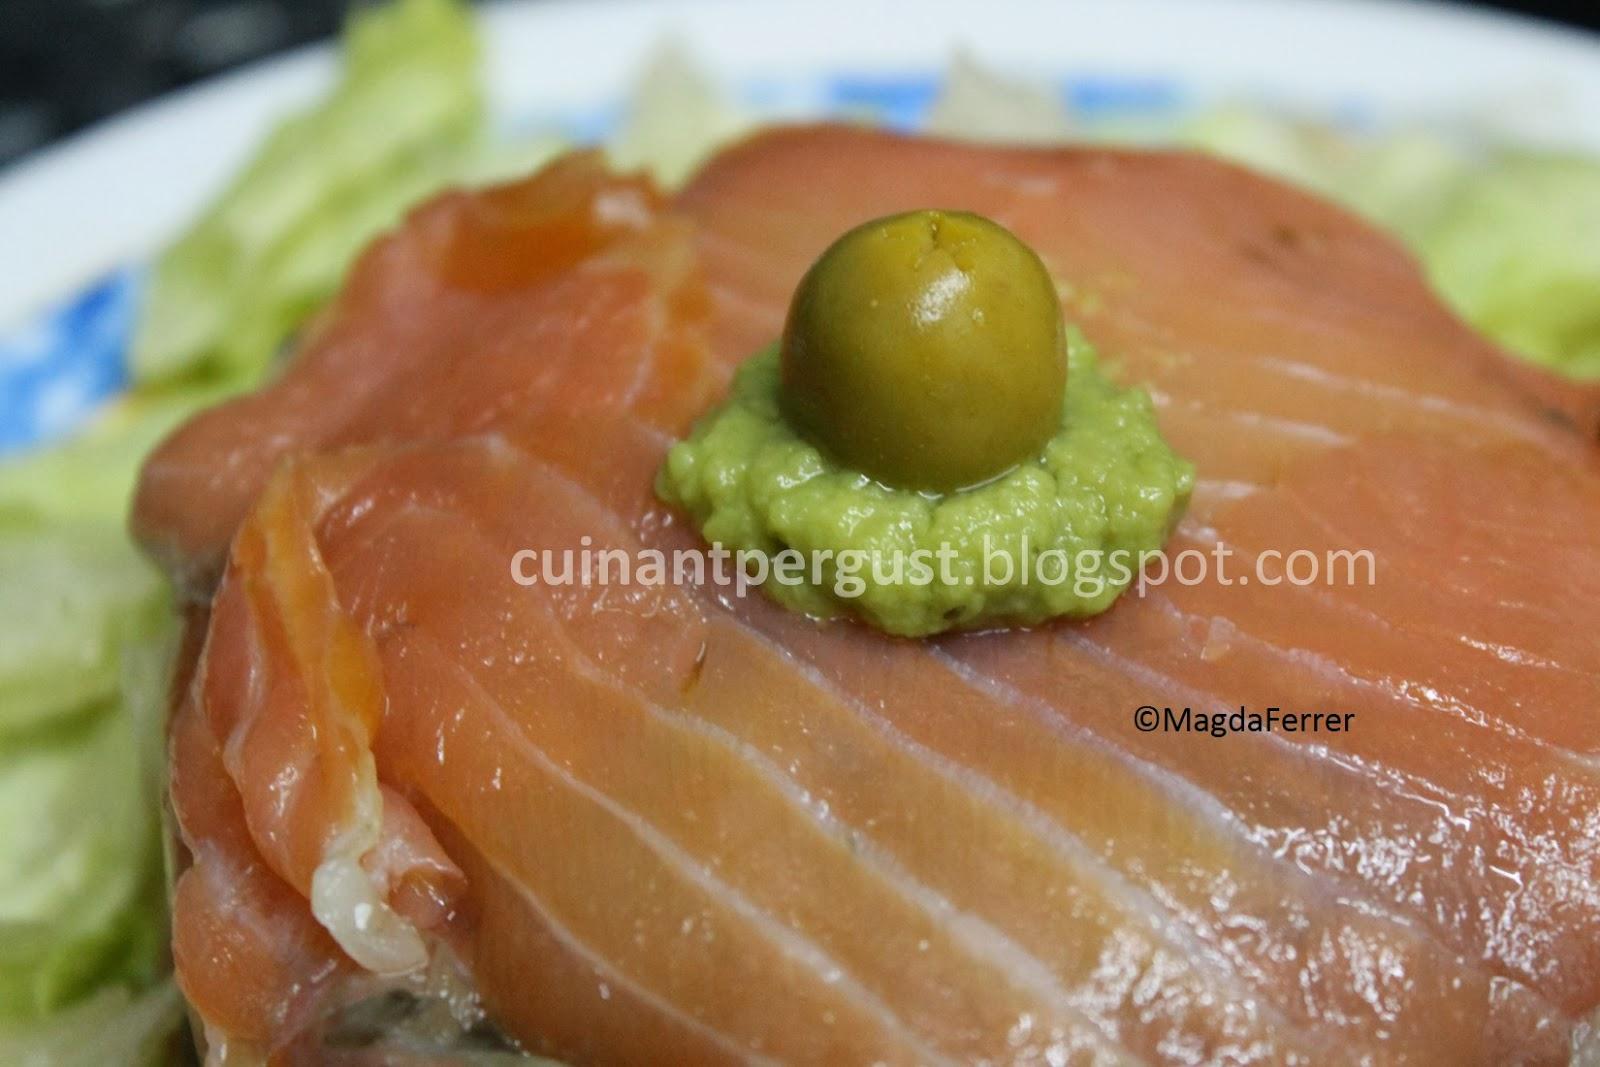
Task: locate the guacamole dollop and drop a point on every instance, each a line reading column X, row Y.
column 1059, row 535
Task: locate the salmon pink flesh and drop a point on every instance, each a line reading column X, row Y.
column 665, row 824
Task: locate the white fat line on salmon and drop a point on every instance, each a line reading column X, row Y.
column 1367, row 902
column 645, row 367
column 1367, row 906
column 1425, row 698
column 1295, row 429
column 1224, row 490
column 1404, row 786
column 1520, row 657
column 977, row 937
column 1530, row 428
column 1504, row 652
column 1502, row 972
column 623, row 981
column 787, row 941
column 1164, row 927
column 1386, row 779
column 1422, row 698
column 1188, row 796
column 1357, row 899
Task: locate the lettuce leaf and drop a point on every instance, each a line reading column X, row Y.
column 406, row 113
column 81, row 670
column 983, row 105
column 82, row 867
column 114, row 1027
column 1394, row 180
column 676, row 115
column 1516, row 250
column 81, row 591
column 91, row 475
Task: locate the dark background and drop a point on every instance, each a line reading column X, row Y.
column 65, row 63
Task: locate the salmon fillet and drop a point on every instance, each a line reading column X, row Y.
column 467, row 314
column 665, row 823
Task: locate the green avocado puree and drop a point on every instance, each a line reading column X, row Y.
column 1060, row 535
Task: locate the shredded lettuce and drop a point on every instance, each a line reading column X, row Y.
column 79, row 894
column 676, row 116
column 407, row 111
column 81, row 590
column 114, row 1028
column 1515, row 248
column 91, row 475
column 1394, row 180
column 980, row 105
column 80, row 658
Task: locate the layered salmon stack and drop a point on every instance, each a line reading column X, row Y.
column 666, row 823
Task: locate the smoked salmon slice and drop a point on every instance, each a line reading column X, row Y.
column 440, row 330
column 651, row 823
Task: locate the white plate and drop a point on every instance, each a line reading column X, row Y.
column 75, row 220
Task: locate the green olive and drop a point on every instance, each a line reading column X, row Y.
column 927, row 351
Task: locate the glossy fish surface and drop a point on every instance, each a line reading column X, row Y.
column 666, row 823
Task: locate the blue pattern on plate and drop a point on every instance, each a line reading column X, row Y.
column 898, row 101
column 1103, row 96
column 67, row 362
column 59, row 368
